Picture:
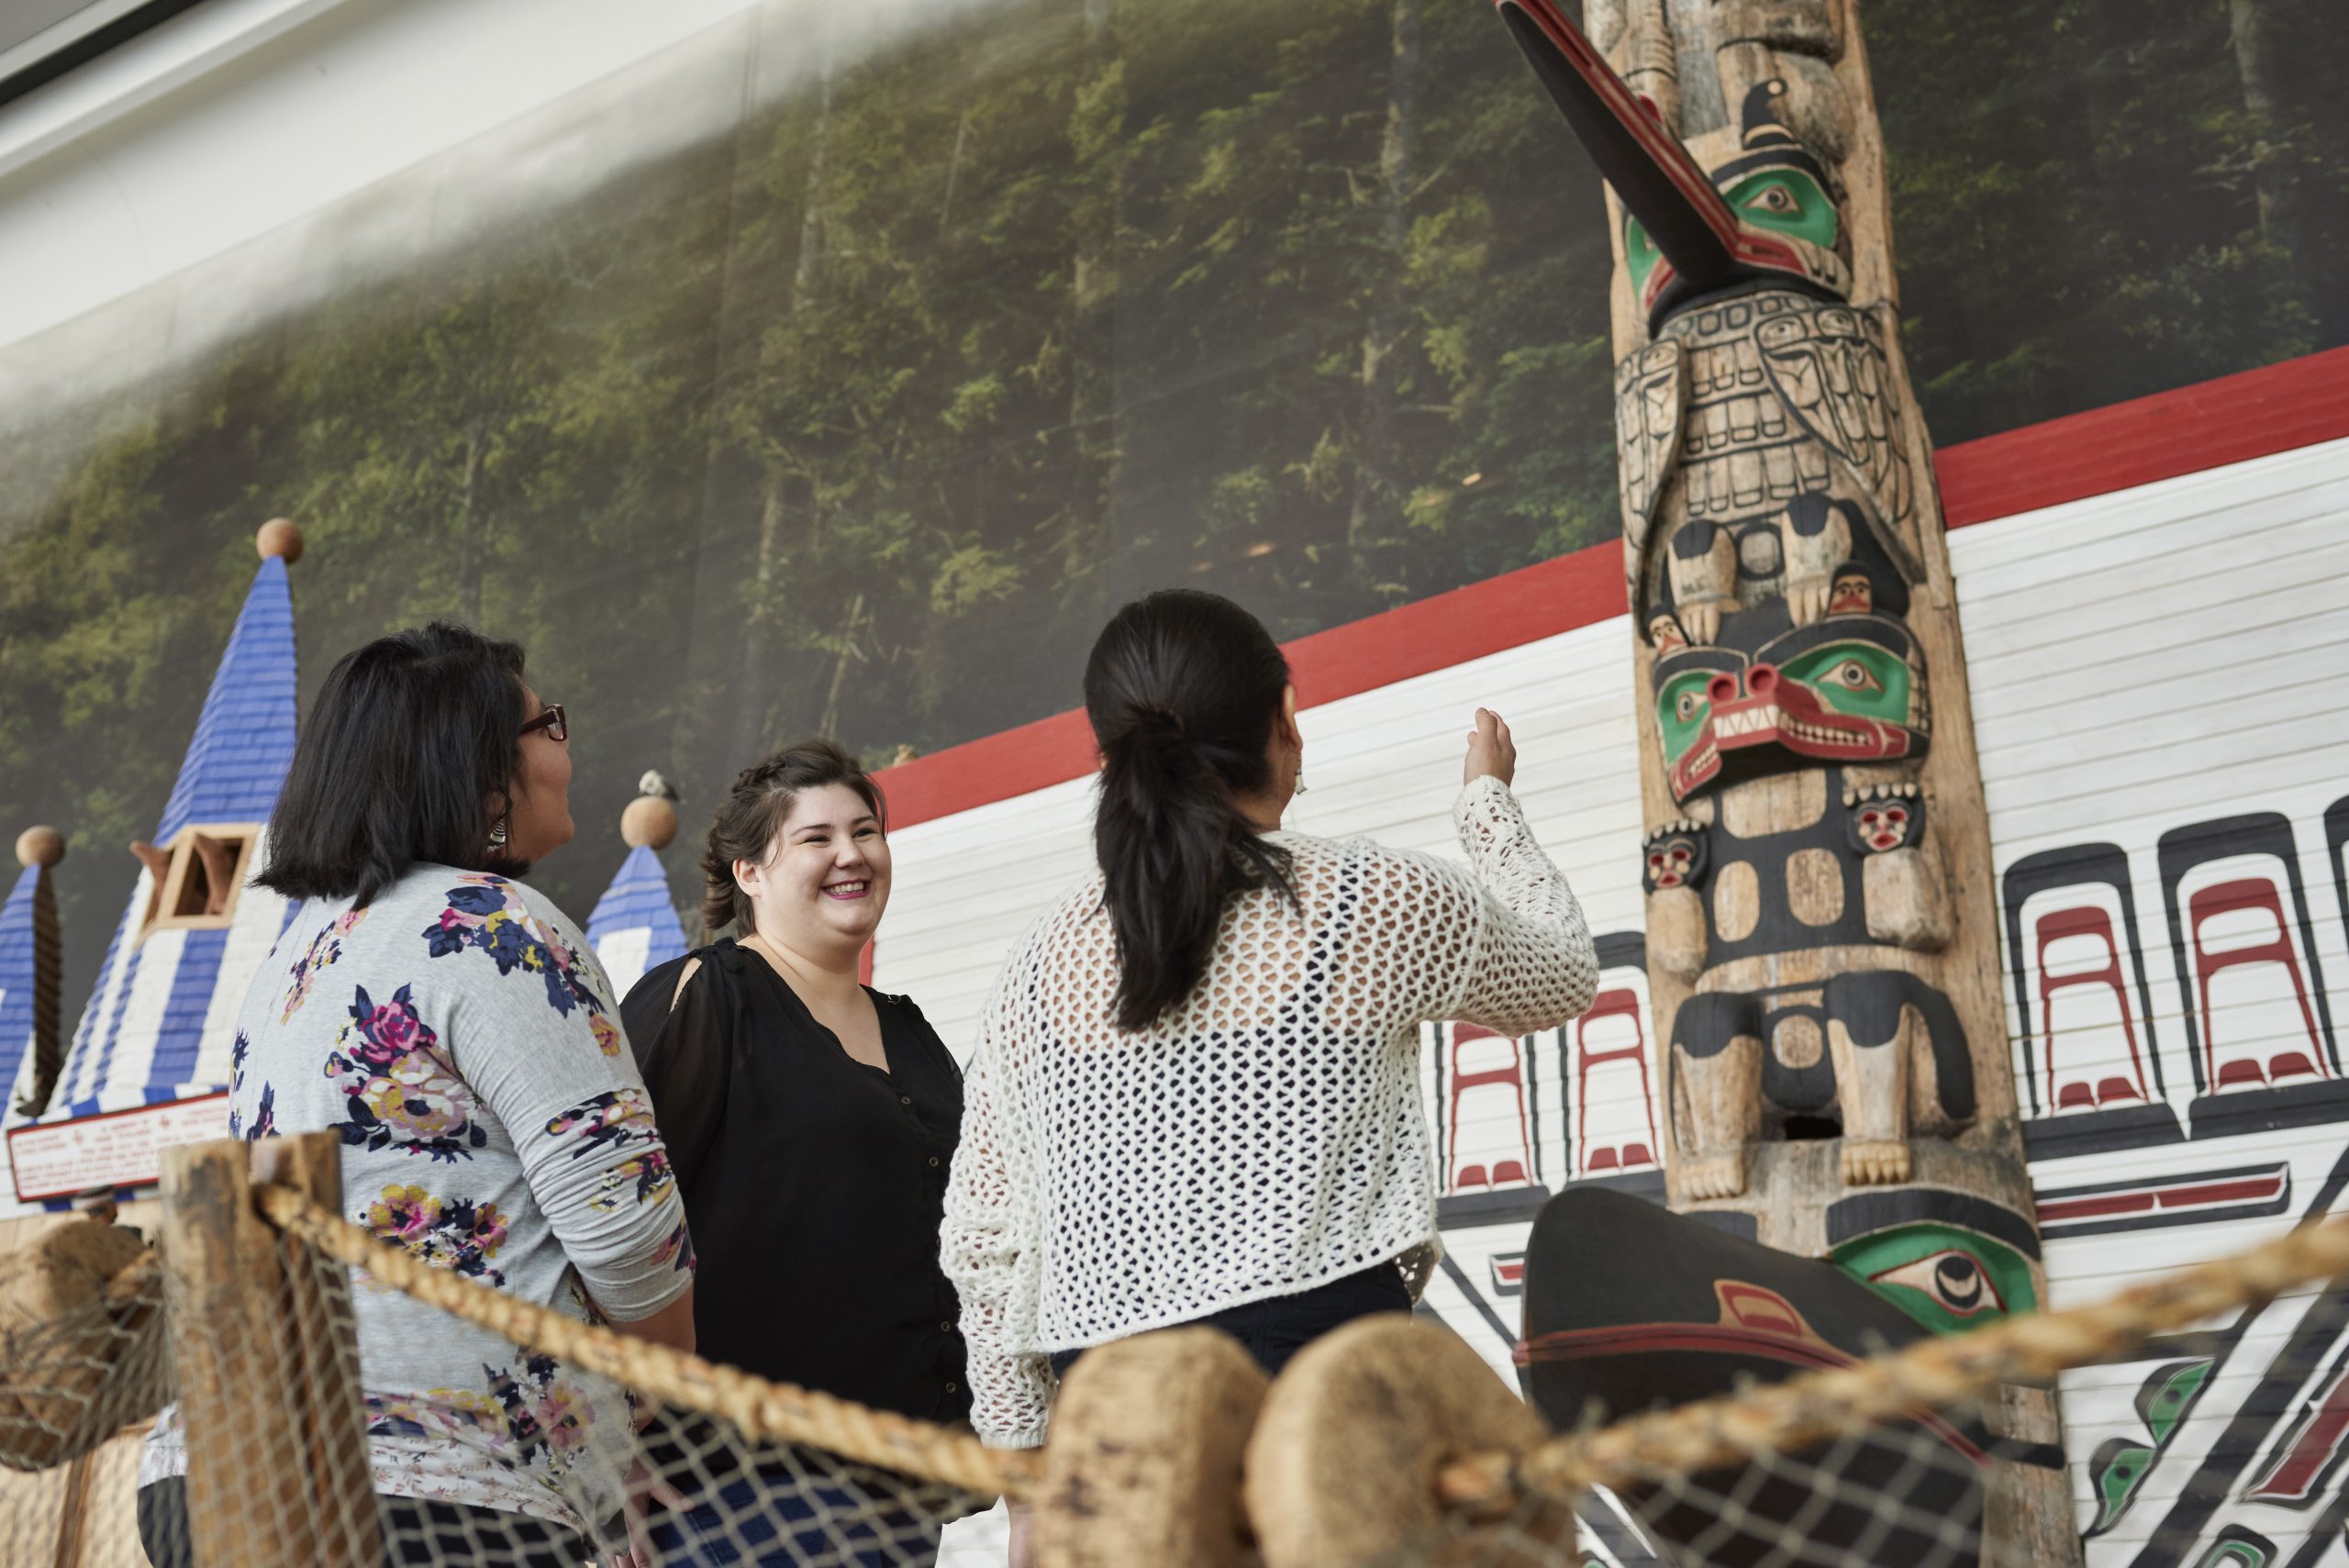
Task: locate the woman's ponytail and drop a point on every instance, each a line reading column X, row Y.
column 1183, row 689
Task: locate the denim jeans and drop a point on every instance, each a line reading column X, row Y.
column 782, row 1518
column 1278, row 1327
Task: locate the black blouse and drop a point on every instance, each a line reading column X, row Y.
column 815, row 1184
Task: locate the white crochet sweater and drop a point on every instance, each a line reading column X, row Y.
column 1264, row 1138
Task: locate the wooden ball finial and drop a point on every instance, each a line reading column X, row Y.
column 650, row 822
column 279, row 537
column 39, row 847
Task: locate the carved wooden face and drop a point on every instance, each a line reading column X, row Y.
column 1676, row 858
column 1781, row 196
column 1766, row 697
column 1886, row 820
column 1784, row 202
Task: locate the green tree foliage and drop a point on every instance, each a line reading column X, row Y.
column 864, row 416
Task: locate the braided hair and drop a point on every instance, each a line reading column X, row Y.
column 753, row 812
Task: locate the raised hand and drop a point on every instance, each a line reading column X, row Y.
column 1490, row 750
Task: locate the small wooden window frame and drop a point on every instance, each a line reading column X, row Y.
column 244, row 836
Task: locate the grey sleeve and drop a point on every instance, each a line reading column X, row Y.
column 543, row 1048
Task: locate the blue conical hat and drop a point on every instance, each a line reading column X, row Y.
column 634, row 926
column 159, row 1023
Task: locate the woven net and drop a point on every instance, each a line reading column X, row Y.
column 1932, row 1458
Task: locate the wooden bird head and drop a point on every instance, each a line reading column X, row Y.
column 1760, row 210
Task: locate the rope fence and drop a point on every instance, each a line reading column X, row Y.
column 1389, row 1444
column 758, row 1409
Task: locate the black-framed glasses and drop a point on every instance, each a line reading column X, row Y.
column 553, row 722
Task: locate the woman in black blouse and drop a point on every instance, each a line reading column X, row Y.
column 811, row 1121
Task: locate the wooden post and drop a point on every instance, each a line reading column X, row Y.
column 1821, row 936
column 1342, row 1467
column 1143, row 1469
column 270, row 1401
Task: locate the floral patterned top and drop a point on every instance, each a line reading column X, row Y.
column 459, row 1036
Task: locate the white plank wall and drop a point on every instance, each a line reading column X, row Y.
column 2141, row 663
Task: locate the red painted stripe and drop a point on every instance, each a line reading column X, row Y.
column 2232, row 419
column 2095, row 1208
column 2251, row 1189
column 1491, row 617
column 2296, row 1474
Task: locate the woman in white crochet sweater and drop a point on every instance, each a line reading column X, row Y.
column 1196, row 1095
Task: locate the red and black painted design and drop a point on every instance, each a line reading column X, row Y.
column 2298, row 1470
column 2277, row 1360
column 2079, row 889
column 2154, row 1203
column 2250, row 925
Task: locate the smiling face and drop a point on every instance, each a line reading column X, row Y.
column 824, row 880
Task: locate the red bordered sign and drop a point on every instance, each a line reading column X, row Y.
column 110, row 1149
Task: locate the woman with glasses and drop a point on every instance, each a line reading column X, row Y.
column 454, row 1029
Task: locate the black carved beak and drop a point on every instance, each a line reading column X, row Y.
column 1648, row 168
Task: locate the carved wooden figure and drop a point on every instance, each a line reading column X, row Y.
column 1822, row 948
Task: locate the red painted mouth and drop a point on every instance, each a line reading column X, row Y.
column 1790, row 717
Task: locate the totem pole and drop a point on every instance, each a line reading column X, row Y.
column 1821, row 936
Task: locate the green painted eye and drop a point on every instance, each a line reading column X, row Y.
column 1863, row 679
column 2118, row 1468
column 1786, row 201
column 2169, row 1394
column 1639, row 251
column 1946, row 1278
column 2234, row 1554
column 1682, row 709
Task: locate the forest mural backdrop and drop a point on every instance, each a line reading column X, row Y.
column 859, row 411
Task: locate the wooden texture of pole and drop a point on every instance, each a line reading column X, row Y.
column 269, row 1401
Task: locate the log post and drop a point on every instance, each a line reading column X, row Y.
column 270, row 1401
column 1342, row 1467
column 1143, row 1468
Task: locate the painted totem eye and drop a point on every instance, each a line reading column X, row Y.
column 1852, row 675
column 1895, row 820
column 1775, row 198
column 1689, row 705
column 1953, row 1281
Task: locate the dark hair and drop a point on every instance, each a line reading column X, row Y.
column 1181, row 688
column 752, row 813
column 408, row 737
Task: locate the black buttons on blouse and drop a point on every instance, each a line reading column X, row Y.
column 905, row 1100
column 933, row 1159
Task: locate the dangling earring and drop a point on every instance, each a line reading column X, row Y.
column 498, row 839
column 1296, row 784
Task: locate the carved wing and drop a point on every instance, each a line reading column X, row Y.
column 1651, row 390
column 1828, row 366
